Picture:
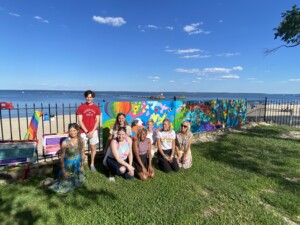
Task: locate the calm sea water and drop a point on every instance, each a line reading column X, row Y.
column 38, row 97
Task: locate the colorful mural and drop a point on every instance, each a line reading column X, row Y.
column 203, row 115
column 236, row 113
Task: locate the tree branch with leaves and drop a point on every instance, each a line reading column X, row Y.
column 288, row 30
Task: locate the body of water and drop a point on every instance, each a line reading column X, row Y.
column 38, row 97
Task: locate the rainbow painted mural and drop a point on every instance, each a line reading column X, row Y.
column 203, row 115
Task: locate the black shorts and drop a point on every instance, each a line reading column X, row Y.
column 136, row 165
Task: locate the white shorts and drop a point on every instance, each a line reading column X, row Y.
column 93, row 141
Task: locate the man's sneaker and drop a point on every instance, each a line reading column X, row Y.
column 93, row 168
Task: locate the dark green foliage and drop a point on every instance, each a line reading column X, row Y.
column 289, row 28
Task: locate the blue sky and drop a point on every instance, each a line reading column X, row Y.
column 146, row 45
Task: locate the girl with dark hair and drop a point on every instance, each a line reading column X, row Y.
column 142, row 159
column 119, row 155
column 120, row 122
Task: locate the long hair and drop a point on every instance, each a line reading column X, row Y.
column 150, row 121
column 79, row 139
column 116, row 124
column 167, row 120
column 188, row 130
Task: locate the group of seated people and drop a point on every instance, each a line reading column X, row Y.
column 127, row 155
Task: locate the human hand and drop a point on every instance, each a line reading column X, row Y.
column 131, row 172
column 150, row 170
column 81, row 168
column 171, row 159
column 90, row 134
column 130, row 168
column 145, row 171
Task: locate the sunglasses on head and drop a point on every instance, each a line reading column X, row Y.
column 185, row 126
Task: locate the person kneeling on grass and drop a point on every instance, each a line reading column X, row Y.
column 142, row 159
column 166, row 148
column 71, row 162
column 184, row 139
column 119, row 155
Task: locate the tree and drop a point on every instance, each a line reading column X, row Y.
column 288, row 30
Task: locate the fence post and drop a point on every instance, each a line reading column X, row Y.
column 265, row 114
column 291, row 117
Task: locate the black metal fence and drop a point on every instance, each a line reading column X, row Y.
column 280, row 112
column 55, row 119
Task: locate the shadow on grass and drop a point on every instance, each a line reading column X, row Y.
column 246, row 151
column 19, row 202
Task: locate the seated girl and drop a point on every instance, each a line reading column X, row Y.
column 119, row 155
column 151, row 134
column 184, row 139
column 71, row 161
column 142, row 159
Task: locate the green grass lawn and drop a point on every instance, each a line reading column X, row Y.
column 251, row 177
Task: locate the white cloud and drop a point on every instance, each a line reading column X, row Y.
column 191, row 71
column 172, row 81
column 113, row 21
column 294, row 80
column 187, row 53
column 230, row 76
column 221, row 70
column 195, row 56
column 152, row 26
column 239, row 68
column 194, row 29
column 228, row 54
column 169, row 28
column 14, row 14
column 41, row 19
column 154, row 79
column 189, row 50
column 216, row 70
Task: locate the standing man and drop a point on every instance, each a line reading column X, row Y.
column 88, row 118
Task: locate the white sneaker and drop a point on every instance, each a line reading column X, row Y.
column 112, row 179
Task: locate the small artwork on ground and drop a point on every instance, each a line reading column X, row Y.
column 52, row 142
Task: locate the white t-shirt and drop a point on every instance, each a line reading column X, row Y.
column 166, row 138
column 152, row 136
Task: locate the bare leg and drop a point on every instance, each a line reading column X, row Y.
column 93, row 153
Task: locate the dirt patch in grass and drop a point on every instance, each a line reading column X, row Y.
column 291, row 134
column 209, row 212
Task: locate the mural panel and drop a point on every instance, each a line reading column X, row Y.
column 203, row 115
